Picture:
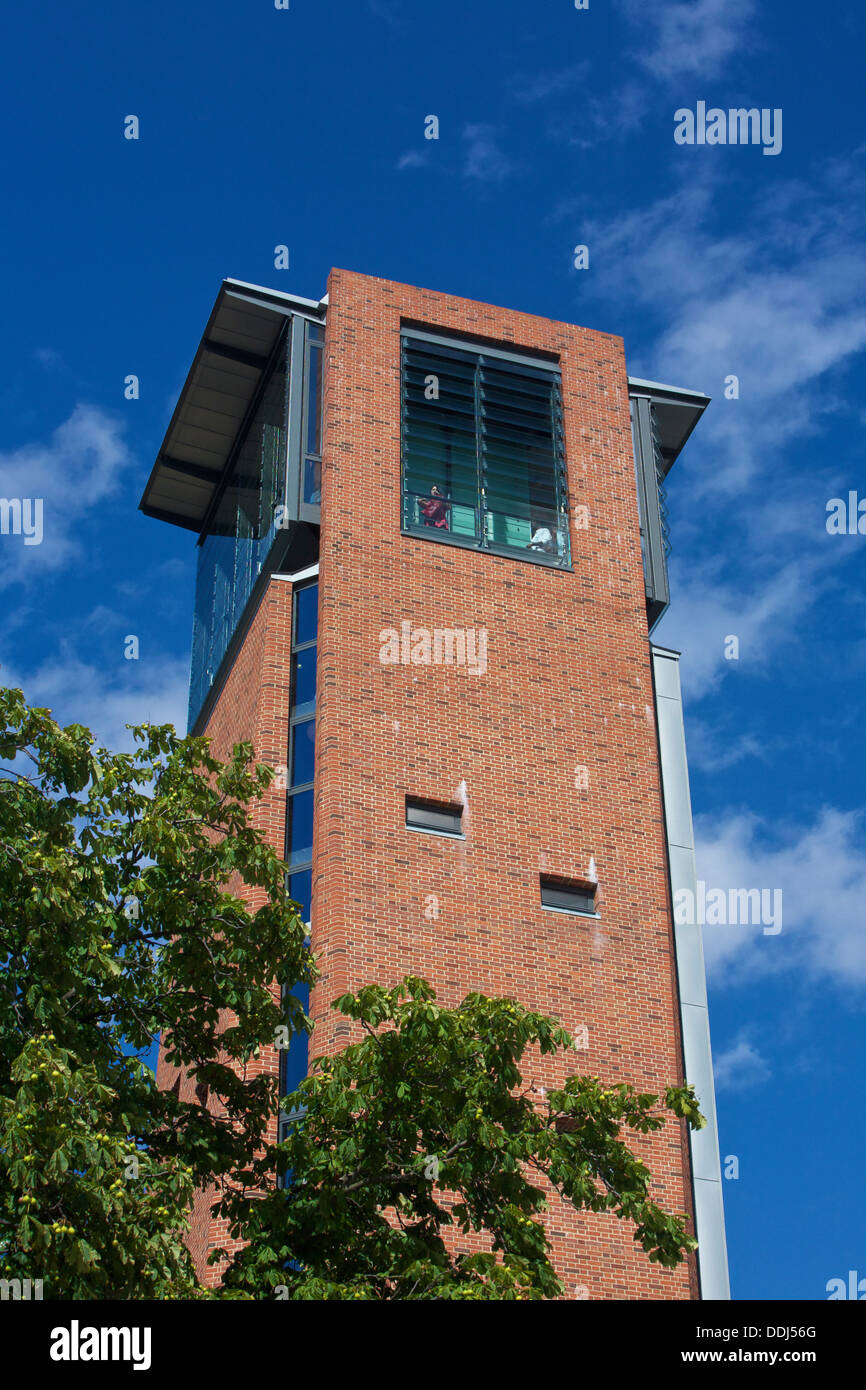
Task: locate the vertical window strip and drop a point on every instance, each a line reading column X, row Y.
column 294, row 1060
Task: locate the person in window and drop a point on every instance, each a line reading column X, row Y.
column 542, row 538
column 434, row 509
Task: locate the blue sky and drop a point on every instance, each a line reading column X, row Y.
column 306, row 127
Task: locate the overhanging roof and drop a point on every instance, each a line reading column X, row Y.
column 677, row 411
column 219, row 391
column 228, row 366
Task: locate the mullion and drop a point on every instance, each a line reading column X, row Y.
column 479, row 460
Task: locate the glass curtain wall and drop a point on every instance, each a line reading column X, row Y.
column 241, row 531
column 314, row 348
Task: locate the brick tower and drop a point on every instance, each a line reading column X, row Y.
column 432, row 548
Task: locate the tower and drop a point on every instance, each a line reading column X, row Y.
column 432, row 549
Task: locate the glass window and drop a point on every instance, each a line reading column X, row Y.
column 313, row 481
column 300, row 835
column 314, row 400
column 306, row 614
column 240, row 533
column 303, row 760
column 304, row 681
column 301, row 891
column 482, row 451
column 294, row 1059
column 568, row 897
column 315, row 352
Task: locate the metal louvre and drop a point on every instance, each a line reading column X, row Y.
column 568, row 897
column 427, row 815
column 487, row 429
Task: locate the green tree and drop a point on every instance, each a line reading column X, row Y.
column 425, row 1129
column 116, row 925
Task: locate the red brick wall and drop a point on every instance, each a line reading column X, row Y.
column 568, row 684
column 253, row 705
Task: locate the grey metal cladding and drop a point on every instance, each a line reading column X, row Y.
column 652, row 530
column 691, row 979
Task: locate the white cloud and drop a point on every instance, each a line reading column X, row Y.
column 690, row 38
column 679, row 39
column 712, row 749
column 484, row 159
column 47, row 357
column 764, row 615
column 616, row 113
column 412, row 159
column 547, row 84
column 73, row 473
column 821, row 871
column 389, row 11
column 779, row 310
column 107, row 698
column 740, row 1066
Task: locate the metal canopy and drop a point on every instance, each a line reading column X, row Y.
column 232, row 356
column 676, row 412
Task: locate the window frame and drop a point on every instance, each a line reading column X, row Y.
column 285, row 1118
column 579, row 887
column 444, row 808
column 481, row 543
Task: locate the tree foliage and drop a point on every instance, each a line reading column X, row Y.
column 409, row 1148
column 116, row 926
column 424, row 1134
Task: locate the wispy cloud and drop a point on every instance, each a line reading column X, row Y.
column 391, row 12
column 714, row 749
column 609, row 116
column 484, row 158
column 684, row 38
column 47, row 357
column 73, row 473
column 413, row 159
column 776, row 310
column 675, row 42
column 821, row 871
column 740, row 1066
column 547, row 84
column 763, row 611
column 106, row 697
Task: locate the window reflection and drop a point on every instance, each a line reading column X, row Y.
column 241, row 533
column 303, row 752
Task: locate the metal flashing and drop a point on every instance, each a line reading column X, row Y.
column 691, row 978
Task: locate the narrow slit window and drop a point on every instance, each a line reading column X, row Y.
column 562, row 895
column 434, row 817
